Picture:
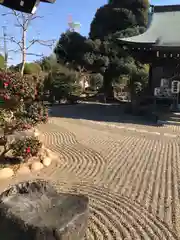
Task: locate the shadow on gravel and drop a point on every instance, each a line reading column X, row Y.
column 97, row 112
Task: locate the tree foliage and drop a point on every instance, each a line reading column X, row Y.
column 61, row 83
column 29, row 68
column 101, row 53
column 96, row 81
column 32, row 68
column 2, row 62
column 48, row 63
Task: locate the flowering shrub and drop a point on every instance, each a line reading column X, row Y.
column 20, row 107
column 26, row 148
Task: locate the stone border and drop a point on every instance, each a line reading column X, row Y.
column 34, row 164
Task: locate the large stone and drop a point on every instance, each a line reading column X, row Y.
column 36, row 166
column 46, row 161
column 23, row 170
column 6, row 173
column 45, row 152
column 36, row 211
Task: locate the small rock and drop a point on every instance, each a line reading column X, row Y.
column 46, row 161
column 23, row 170
column 36, row 166
column 6, row 173
column 36, row 133
column 47, row 152
column 42, row 152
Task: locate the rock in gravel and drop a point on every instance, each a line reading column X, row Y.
column 23, row 170
column 36, row 166
column 44, row 152
column 36, row 211
column 36, row 133
column 6, row 173
column 46, row 161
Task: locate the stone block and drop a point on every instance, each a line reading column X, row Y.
column 36, row 211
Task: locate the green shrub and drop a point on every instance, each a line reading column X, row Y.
column 62, row 83
column 26, row 148
column 32, row 68
column 2, row 62
column 20, row 109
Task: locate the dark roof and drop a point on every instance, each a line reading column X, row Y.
column 163, row 31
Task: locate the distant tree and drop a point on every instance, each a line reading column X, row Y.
column 101, row 53
column 96, row 81
column 2, row 62
column 70, row 49
column 61, row 83
column 113, row 20
column 48, row 63
column 32, row 68
column 29, row 68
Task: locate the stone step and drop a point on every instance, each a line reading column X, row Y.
column 167, row 122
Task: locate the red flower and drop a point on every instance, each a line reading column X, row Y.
column 6, row 97
column 28, row 149
column 27, row 126
column 6, row 84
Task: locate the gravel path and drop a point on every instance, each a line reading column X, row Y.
column 131, row 177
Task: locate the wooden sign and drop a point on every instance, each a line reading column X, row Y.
column 164, row 83
column 156, row 91
column 175, row 87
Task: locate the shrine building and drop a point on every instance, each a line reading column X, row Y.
column 159, row 47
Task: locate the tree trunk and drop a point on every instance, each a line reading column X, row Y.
column 23, row 51
column 108, row 88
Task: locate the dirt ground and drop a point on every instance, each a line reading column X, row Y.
column 130, row 172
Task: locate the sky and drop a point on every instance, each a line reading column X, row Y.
column 54, row 21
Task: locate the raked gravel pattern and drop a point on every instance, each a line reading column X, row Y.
column 131, row 177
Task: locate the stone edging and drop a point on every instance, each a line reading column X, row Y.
column 34, row 164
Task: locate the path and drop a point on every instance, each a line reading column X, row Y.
column 131, row 177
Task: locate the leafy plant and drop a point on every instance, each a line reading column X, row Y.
column 26, row 148
column 20, row 107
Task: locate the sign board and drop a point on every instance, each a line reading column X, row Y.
column 156, row 91
column 27, row 6
column 164, row 83
column 175, row 87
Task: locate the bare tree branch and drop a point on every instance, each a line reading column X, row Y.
column 35, row 54
column 16, row 14
column 13, row 40
column 33, row 17
column 14, row 50
column 47, row 43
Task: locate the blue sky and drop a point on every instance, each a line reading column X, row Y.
column 55, row 21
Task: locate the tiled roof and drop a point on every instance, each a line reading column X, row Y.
column 163, row 31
